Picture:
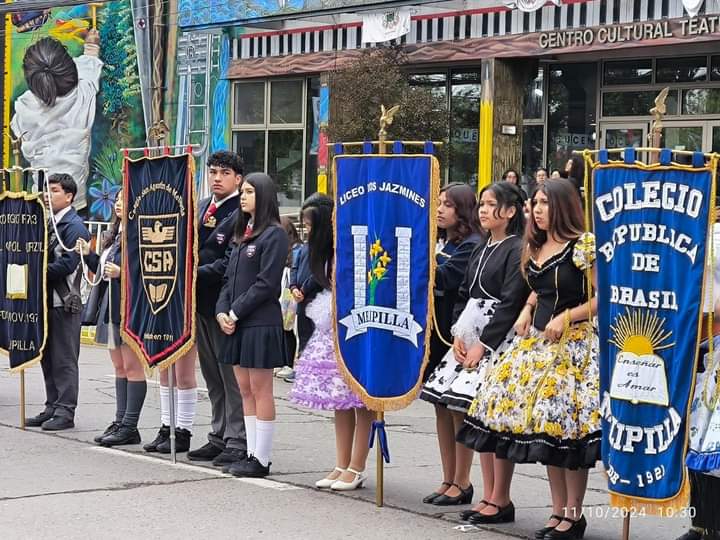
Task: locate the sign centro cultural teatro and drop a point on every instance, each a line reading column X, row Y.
column 640, row 31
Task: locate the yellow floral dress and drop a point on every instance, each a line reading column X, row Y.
column 541, row 402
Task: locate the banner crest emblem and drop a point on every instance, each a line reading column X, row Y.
column 159, row 256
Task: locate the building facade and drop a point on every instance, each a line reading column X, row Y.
column 524, row 85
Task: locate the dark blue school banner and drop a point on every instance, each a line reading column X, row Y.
column 384, row 270
column 23, row 267
column 159, row 245
column 651, row 226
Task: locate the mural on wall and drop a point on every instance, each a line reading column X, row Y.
column 75, row 96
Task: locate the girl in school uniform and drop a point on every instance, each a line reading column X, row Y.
column 541, row 402
column 248, row 310
column 459, row 232
column 489, row 301
column 318, row 382
column 130, row 385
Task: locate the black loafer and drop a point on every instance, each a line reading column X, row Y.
column 250, row 468
column 208, row 452
column 108, row 430
column 122, row 436
column 58, row 423
column 575, row 532
column 37, row 421
column 540, row 533
column 505, row 514
column 229, row 456
column 465, row 515
column 465, row 497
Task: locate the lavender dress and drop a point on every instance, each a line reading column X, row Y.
column 318, row 383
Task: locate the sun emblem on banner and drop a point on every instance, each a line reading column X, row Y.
column 639, row 372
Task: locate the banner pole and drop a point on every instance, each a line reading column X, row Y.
column 171, row 401
column 380, row 466
column 626, row 527
column 22, row 399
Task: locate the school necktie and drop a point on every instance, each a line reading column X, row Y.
column 210, row 212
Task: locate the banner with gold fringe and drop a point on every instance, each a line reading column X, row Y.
column 159, row 243
column 384, row 270
column 23, row 290
column 651, row 224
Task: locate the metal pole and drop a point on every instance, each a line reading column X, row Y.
column 171, row 390
column 626, row 527
column 22, row 399
column 380, row 465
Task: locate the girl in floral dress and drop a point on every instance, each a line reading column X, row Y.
column 318, row 382
column 541, row 402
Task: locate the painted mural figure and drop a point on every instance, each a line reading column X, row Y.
column 56, row 115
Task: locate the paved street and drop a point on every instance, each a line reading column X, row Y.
column 64, row 486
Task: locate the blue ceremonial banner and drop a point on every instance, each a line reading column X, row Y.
column 384, row 269
column 651, row 226
column 23, row 267
column 159, row 245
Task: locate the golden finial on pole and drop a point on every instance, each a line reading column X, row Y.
column 658, row 111
column 386, row 119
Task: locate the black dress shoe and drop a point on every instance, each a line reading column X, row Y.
column 575, row 532
column 229, row 456
column 58, row 423
column 37, row 421
column 122, row 435
column 504, row 514
column 465, row 497
column 108, row 430
column 162, row 436
column 434, row 495
column 465, row 515
column 540, row 533
column 250, row 468
column 692, row 534
column 207, row 452
column 182, row 441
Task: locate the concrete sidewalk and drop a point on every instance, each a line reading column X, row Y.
column 303, row 453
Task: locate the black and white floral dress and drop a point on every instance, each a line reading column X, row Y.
column 489, row 301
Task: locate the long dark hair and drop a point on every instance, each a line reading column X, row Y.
column 576, row 174
column 517, row 176
column 115, row 229
column 565, row 214
column 49, row 70
column 318, row 210
column 293, row 237
column 463, row 199
column 267, row 212
column 507, row 195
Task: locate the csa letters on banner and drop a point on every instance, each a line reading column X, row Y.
column 384, row 266
column 23, row 267
column 159, row 255
column 651, row 226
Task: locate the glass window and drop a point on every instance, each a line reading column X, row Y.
column 464, row 123
column 674, row 70
column 628, row 72
column 715, row 68
column 532, row 154
column 571, row 111
column 534, row 97
column 623, row 137
column 251, row 147
column 635, row 103
column 683, row 138
column 715, row 140
column 286, row 102
column 701, row 101
column 249, row 103
column 437, row 82
column 285, row 165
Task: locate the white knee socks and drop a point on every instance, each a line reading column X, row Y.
column 263, row 445
column 250, row 433
column 187, row 402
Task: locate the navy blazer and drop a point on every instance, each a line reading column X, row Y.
column 253, row 279
column 63, row 264
column 115, row 257
column 214, row 245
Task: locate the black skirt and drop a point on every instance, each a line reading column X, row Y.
column 256, row 347
column 437, row 352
